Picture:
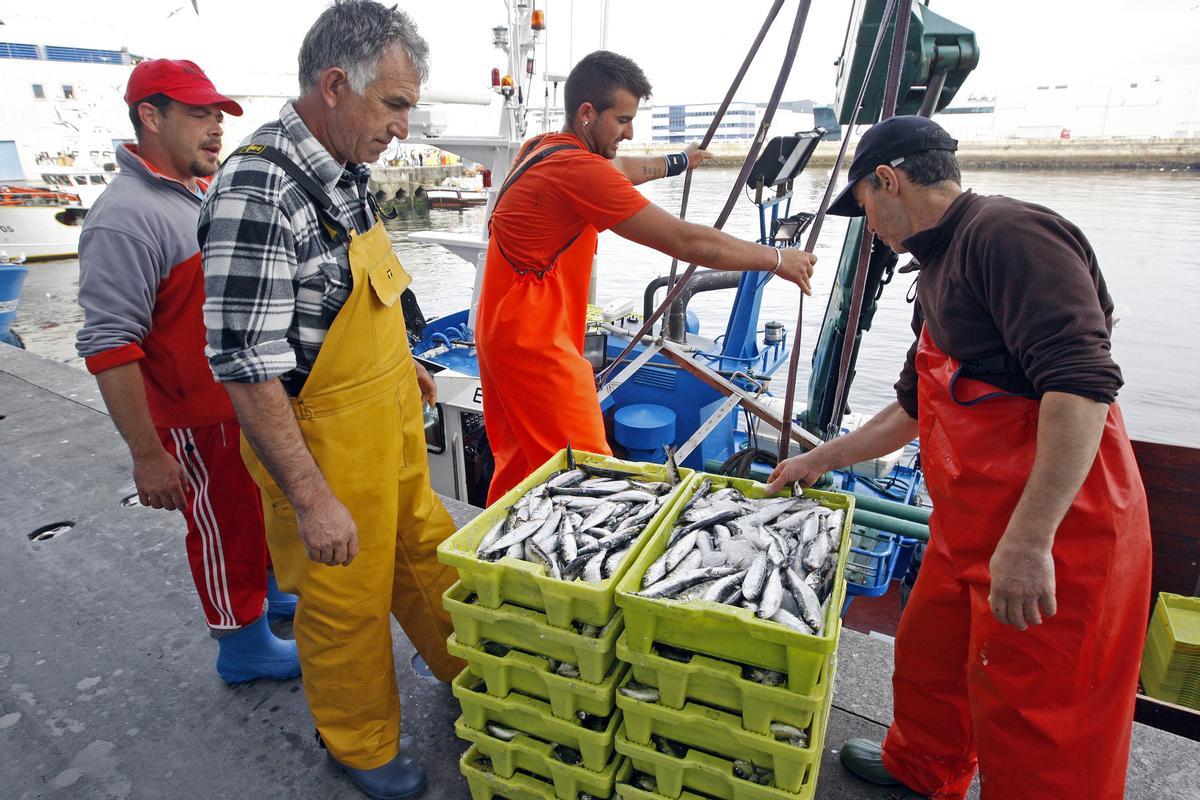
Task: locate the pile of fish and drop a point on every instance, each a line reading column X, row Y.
column 580, row 523
column 775, row 556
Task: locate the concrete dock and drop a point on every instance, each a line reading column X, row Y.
column 1170, row 155
column 107, row 685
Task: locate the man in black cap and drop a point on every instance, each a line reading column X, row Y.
column 1019, row 649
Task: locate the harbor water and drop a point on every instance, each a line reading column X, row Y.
column 1143, row 226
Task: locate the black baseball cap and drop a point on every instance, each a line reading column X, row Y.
column 888, row 142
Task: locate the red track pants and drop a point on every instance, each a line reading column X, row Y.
column 226, row 545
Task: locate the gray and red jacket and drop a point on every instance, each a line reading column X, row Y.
column 142, row 292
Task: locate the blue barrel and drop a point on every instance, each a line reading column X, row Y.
column 643, row 430
column 12, row 277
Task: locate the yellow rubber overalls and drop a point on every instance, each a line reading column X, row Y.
column 360, row 414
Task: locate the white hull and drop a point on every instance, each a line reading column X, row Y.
column 38, row 232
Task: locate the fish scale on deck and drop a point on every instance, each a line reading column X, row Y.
column 562, row 700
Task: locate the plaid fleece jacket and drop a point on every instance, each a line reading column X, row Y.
column 273, row 280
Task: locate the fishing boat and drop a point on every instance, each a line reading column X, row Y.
column 455, row 198
column 38, row 223
column 717, row 398
column 85, row 182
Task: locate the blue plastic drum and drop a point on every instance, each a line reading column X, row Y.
column 12, row 277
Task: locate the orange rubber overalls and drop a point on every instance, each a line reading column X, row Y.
column 538, row 389
column 1046, row 712
column 360, row 414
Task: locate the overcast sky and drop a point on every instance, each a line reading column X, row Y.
column 690, row 51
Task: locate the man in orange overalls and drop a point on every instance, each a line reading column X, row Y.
column 538, row 390
column 1019, row 649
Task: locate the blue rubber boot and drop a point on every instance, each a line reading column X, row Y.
column 280, row 604
column 254, row 652
column 399, row 779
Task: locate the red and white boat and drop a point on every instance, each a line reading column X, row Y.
column 39, row 224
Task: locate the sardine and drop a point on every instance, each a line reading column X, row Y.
column 672, row 468
column 815, row 555
column 685, row 545
column 723, row 587
column 772, row 596
column 633, row 496
column 567, row 755
column 792, row 621
column 806, row 598
column 756, row 577
column 493, row 535
column 645, row 694
column 592, row 570
column 501, row 733
column 566, row 478
column 515, row 536
column 668, row 746
column 614, row 561
column 582, row 503
column 674, row 584
column 599, row 514
column 781, row 730
column 604, row 472
column 645, row 782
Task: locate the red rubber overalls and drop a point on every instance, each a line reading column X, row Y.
column 1046, row 712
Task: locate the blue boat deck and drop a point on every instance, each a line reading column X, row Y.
column 107, row 686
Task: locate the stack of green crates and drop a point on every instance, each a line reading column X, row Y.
column 1171, row 660
column 538, row 619
column 716, row 719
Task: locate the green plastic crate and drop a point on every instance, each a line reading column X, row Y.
column 528, row 630
column 627, row 791
column 532, row 675
column 532, row 716
column 537, row 757
column 721, row 733
column 730, row 632
column 704, row 773
column 512, row 580
column 720, row 683
column 486, row 784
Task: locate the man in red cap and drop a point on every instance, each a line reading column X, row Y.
column 142, row 293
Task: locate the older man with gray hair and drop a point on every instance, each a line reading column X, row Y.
column 306, row 332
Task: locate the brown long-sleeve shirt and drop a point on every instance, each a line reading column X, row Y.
column 999, row 275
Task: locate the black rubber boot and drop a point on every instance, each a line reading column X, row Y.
column 399, row 779
column 864, row 758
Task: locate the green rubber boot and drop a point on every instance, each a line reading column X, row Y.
column 864, row 758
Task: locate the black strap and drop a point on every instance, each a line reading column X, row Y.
column 326, row 210
column 525, row 165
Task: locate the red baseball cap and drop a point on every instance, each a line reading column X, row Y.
column 179, row 80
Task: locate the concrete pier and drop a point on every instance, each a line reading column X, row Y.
column 1058, row 154
column 107, row 684
column 386, row 182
